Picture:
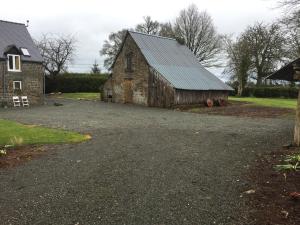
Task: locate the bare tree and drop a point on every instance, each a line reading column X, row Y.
column 195, row 29
column 289, row 3
column 239, row 62
column 266, row 44
column 167, row 30
column 149, row 26
column 291, row 28
column 111, row 47
column 290, row 24
column 199, row 34
column 57, row 51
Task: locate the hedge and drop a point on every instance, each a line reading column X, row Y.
column 270, row 92
column 78, row 82
column 69, row 83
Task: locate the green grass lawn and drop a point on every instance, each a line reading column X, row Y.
column 269, row 102
column 13, row 133
column 81, row 95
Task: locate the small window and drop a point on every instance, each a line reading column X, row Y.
column 14, row 63
column 10, row 62
column 17, row 85
column 129, row 62
column 25, row 51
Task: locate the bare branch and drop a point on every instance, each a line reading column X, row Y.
column 289, row 3
column 149, row 26
column 167, row 30
column 199, row 34
column 239, row 61
column 111, row 47
column 291, row 29
column 57, row 52
column 266, row 43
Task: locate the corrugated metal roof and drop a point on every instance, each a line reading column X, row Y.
column 17, row 34
column 176, row 63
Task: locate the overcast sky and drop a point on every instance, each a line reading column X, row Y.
column 91, row 21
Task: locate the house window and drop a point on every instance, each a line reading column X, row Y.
column 129, row 62
column 25, row 51
column 14, row 63
column 17, row 85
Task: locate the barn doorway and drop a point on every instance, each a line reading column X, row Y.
column 128, row 92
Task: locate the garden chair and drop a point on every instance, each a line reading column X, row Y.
column 25, row 101
column 16, row 101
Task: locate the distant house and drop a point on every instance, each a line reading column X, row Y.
column 287, row 72
column 291, row 72
column 21, row 70
column 157, row 71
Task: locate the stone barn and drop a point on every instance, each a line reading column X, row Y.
column 21, row 69
column 157, row 71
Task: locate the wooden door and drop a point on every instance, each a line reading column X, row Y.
column 128, row 92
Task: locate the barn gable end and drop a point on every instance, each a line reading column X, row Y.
column 157, row 71
column 129, row 86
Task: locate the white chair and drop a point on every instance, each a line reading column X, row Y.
column 16, row 101
column 25, row 101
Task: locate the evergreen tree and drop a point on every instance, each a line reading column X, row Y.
column 95, row 68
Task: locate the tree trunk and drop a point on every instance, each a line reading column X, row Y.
column 240, row 90
column 297, row 123
column 54, row 74
column 259, row 80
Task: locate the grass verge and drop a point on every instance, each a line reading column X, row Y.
column 268, row 102
column 13, row 133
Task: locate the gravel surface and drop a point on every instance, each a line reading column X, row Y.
column 143, row 166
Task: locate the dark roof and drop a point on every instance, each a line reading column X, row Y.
column 16, row 34
column 176, row 63
column 286, row 72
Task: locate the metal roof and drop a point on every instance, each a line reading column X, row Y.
column 16, row 34
column 176, row 63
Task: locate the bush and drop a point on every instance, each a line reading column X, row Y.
column 69, row 83
column 269, row 92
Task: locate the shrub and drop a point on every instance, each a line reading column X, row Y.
column 69, row 83
column 291, row 163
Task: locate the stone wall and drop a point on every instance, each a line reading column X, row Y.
column 32, row 82
column 130, row 86
column 106, row 93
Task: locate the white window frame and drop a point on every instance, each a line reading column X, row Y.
column 14, row 84
column 14, row 63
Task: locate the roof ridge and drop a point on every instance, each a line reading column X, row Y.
column 5, row 21
column 152, row 35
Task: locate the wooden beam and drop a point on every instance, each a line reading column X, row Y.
column 297, row 122
column 296, row 68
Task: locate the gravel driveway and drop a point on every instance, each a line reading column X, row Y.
column 143, row 166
